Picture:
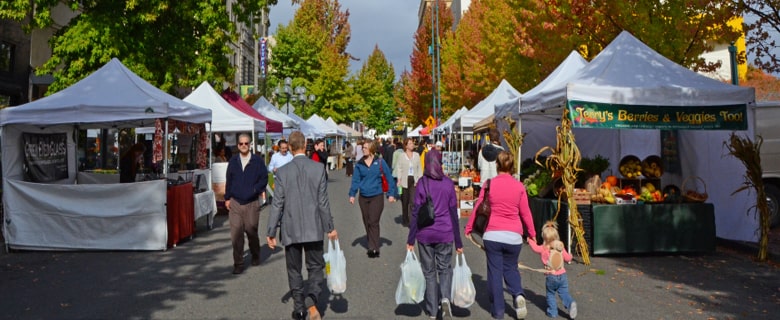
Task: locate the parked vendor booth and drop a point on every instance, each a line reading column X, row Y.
column 46, row 205
column 630, row 100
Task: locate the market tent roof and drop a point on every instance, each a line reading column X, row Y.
column 503, row 93
column 112, row 96
column 235, row 100
column 324, row 126
column 225, row 117
column 628, row 72
column 350, row 132
column 415, row 132
column 549, row 93
column 446, row 126
column 484, row 124
column 306, row 128
column 264, row 107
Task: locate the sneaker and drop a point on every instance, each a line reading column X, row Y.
column 573, row 310
column 314, row 314
column 520, row 307
column 446, row 309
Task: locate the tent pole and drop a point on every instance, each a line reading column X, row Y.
column 165, row 149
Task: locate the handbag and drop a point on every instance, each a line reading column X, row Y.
column 411, row 285
column 335, row 268
column 482, row 212
column 385, row 185
column 426, row 213
column 463, row 292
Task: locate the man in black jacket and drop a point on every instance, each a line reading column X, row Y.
column 246, row 179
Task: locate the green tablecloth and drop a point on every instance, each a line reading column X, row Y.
column 642, row 228
column 685, row 227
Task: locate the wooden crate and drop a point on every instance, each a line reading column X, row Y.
column 581, row 196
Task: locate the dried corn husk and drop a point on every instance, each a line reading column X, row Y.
column 749, row 153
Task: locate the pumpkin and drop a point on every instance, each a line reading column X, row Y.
column 613, row 180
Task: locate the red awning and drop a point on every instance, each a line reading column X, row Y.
column 235, row 100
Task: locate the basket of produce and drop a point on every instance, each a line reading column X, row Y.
column 694, row 189
column 671, row 194
column 651, row 167
column 630, row 167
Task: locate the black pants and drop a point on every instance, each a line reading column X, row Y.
column 315, row 265
column 350, row 167
column 371, row 208
column 407, row 200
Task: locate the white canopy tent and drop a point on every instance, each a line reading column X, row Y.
column 324, row 127
column 306, row 128
column 61, row 214
column 628, row 73
column 503, row 93
column 226, row 118
column 415, row 132
column 269, row 110
column 446, row 126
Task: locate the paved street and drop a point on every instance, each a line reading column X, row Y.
column 193, row 281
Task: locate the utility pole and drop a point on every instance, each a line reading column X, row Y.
column 435, row 51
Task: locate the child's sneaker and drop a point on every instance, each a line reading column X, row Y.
column 573, row 310
column 520, row 307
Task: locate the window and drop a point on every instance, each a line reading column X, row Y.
column 6, row 57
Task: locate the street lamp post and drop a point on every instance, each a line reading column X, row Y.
column 287, row 90
column 301, row 92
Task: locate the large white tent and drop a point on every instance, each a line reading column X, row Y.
column 629, row 74
column 267, row 109
column 503, row 93
column 61, row 214
column 446, row 126
column 226, row 118
column 307, row 129
column 324, row 127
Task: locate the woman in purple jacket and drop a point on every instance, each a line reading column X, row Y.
column 435, row 241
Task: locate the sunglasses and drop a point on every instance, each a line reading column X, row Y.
column 243, row 143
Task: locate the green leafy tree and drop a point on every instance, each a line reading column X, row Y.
column 375, row 85
column 759, row 32
column 171, row 44
column 679, row 30
column 311, row 50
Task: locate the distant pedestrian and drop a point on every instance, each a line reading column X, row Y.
column 246, row 179
column 408, row 170
column 553, row 255
column 368, row 180
column 279, row 159
column 503, row 237
column 302, row 210
column 435, row 241
column 488, row 155
column 349, row 155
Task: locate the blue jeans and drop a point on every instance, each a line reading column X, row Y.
column 436, row 263
column 557, row 284
column 502, row 265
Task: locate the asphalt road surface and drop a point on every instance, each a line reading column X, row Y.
column 194, row 281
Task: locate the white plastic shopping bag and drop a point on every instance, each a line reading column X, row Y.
column 463, row 291
column 411, row 286
column 335, row 268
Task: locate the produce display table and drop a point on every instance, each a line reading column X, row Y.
column 181, row 216
column 640, row 228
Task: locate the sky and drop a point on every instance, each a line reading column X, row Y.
column 388, row 23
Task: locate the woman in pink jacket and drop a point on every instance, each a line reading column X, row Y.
column 503, row 238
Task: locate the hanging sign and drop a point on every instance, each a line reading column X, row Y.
column 45, row 157
column 617, row 116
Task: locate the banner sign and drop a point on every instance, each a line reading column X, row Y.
column 45, row 157
column 263, row 50
column 617, row 116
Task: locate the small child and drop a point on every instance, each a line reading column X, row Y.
column 553, row 255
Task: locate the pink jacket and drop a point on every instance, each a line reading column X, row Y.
column 509, row 209
column 544, row 251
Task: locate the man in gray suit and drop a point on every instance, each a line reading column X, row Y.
column 301, row 205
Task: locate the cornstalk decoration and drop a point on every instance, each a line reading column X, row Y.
column 514, row 140
column 565, row 159
column 749, row 153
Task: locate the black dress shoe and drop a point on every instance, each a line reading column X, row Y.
column 299, row 315
column 237, row 269
column 373, row 253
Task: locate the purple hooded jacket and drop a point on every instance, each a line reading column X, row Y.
column 446, row 227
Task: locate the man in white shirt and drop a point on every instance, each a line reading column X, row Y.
column 280, row 158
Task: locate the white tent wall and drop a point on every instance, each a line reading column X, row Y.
column 127, row 216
